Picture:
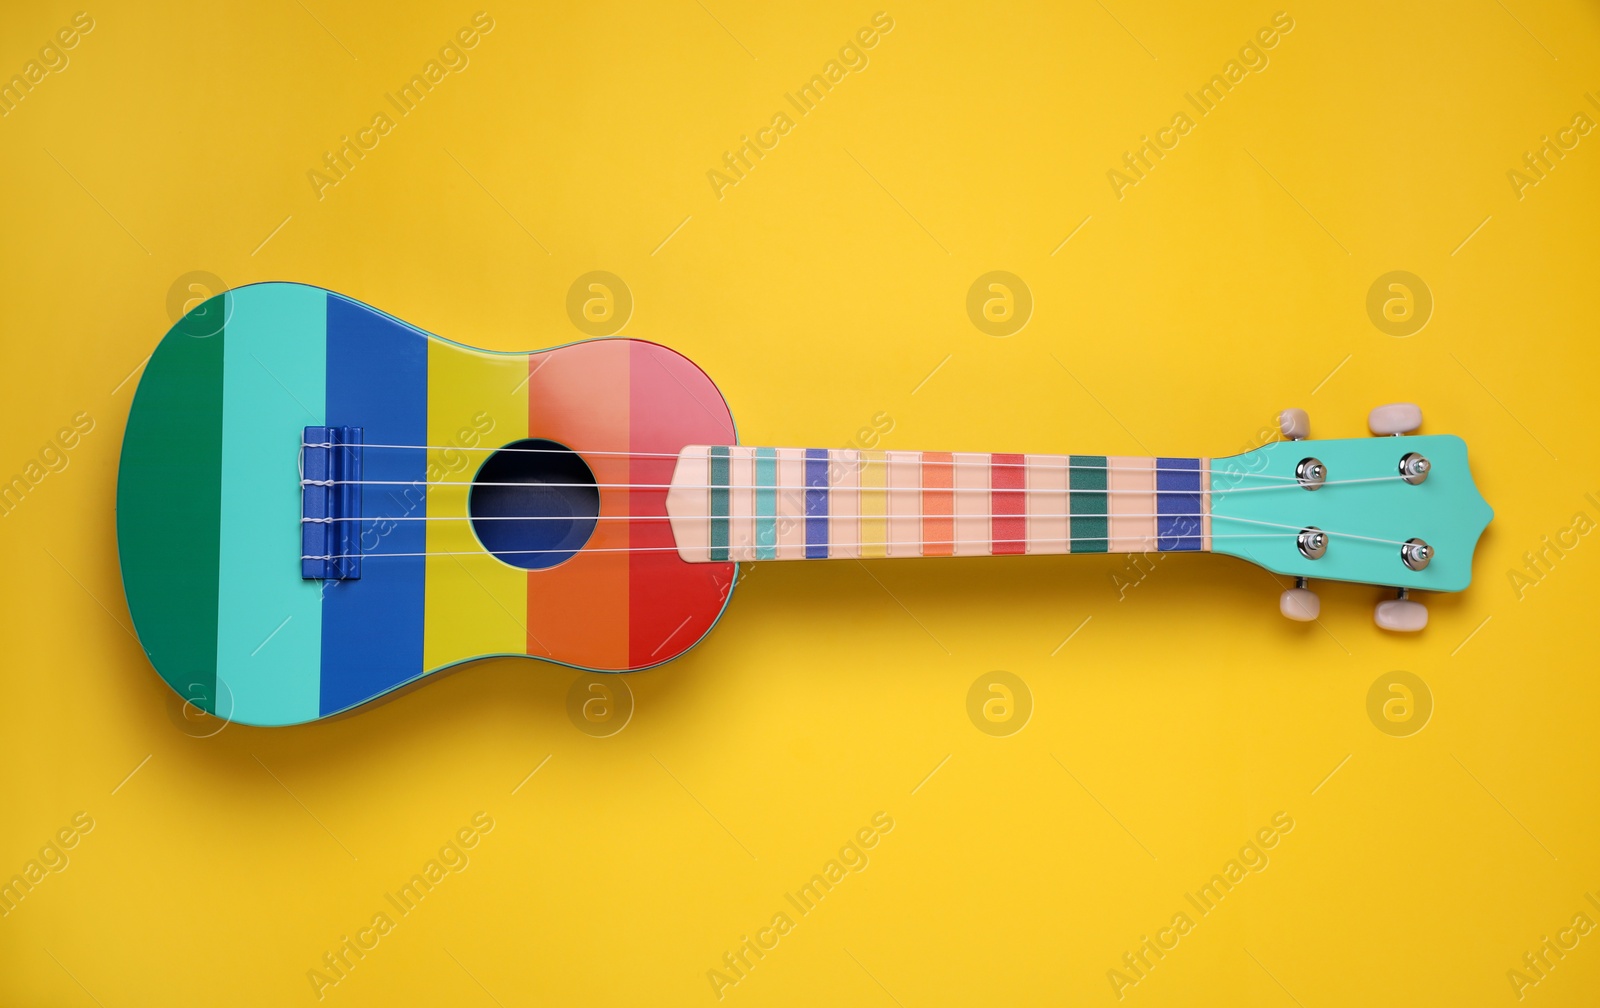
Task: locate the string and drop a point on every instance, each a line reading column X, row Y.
column 851, row 462
column 939, row 542
column 831, row 488
column 736, row 518
column 1287, row 482
column 857, row 545
column 1217, row 517
column 1296, row 529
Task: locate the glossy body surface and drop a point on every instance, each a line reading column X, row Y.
column 209, row 505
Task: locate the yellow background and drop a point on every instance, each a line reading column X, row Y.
column 823, row 289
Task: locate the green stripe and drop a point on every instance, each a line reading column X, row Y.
column 168, row 502
column 1088, row 508
column 719, row 503
column 269, row 620
column 766, row 504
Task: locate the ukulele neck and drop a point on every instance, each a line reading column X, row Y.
column 740, row 503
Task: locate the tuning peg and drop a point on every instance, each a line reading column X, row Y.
column 1299, row 603
column 1401, row 614
column 1395, row 418
column 1294, row 424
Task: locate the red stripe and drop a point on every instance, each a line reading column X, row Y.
column 607, row 608
column 672, row 403
column 1007, row 527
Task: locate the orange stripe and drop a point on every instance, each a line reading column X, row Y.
column 938, row 504
column 578, row 611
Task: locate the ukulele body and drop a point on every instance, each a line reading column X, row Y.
column 210, row 505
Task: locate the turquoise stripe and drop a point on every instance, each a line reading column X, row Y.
column 766, row 504
column 269, row 621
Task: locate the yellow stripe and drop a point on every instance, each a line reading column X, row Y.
column 475, row 604
column 874, row 504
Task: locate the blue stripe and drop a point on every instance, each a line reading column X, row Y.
column 372, row 627
column 1177, row 504
column 816, row 504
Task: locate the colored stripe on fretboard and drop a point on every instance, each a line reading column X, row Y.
column 1177, row 504
column 719, row 503
column 938, row 504
column 735, row 503
column 816, row 503
column 1087, row 481
column 1008, row 529
column 874, row 504
column 766, row 504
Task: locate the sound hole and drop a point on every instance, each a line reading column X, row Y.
column 553, row 490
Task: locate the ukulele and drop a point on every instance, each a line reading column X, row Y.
column 318, row 504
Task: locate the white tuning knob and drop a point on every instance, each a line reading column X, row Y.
column 1300, row 603
column 1402, row 615
column 1395, row 418
column 1294, row 424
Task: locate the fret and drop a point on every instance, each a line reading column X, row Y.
column 970, row 501
column 1046, row 504
column 817, row 466
column 1086, row 502
column 938, row 504
column 742, row 501
column 791, row 504
column 905, row 504
column 845, row 504
column 874, row 481
column 766, row 503
column 1131, row 504
column 719, row 480
column 1008, row 530
column 1178, row 503
column 735, row 503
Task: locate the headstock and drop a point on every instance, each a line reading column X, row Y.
column 1398, row 510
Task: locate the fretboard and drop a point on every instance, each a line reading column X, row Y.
column 742, row 503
